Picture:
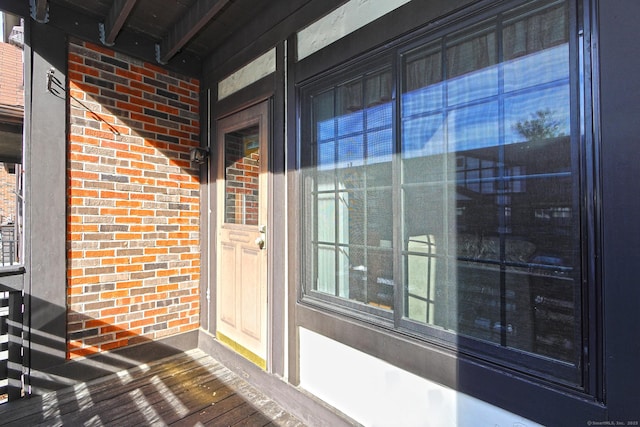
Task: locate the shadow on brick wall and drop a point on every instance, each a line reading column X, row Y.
column 133, row 201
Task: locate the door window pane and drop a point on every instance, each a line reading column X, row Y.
column 242, row 174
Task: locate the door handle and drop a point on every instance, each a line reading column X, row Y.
column 260, row 240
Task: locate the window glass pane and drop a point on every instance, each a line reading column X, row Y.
column 537, row 116
column 380, row 284
column 535, row 45
column 350, row 105
column 471, row 70
column 423, row 136
column 350, row 151
column 323, row 110
column 472, row 234
column 326, row 155
column 421, row 268
column 242, row 172
column 379, row 154
column 483, row 256
column 351, row 191
column 326, row 206
column 536, row 69
column 473, row 127
column 326, row 281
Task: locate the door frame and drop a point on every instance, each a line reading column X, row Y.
column 276, row 89
column 216, row 212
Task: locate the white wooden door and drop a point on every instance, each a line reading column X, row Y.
column 241, row 303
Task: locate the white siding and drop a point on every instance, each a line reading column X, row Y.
column 376, row 393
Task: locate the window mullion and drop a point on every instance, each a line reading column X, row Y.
column 400, row 299
column 502, row 188
column 336, row 200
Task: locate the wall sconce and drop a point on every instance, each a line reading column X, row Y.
column 198, row 155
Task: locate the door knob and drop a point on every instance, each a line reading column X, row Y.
column 260, row 241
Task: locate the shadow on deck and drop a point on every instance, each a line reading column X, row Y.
column 190, row 389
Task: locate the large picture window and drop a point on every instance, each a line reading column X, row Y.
column 442, row 190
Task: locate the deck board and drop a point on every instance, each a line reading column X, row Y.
column 185, row 390
column 44, row 406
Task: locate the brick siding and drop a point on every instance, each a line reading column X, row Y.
column 242, row 172
column 12, row 84
column 7, row 194
column 133, row 201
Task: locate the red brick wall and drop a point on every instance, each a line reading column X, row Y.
column 7, row 195
column 133, row 201
column 242, row 173
column 11, row 84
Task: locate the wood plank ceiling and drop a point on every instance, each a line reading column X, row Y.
column 179, row 34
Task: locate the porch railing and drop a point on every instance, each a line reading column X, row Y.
column 8, row 245
column 11, row 353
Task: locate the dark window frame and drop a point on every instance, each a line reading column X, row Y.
column 376, row 63
column 519, row 361
column 313, row 311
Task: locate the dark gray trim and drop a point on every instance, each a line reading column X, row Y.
column 85, row 369
column 620, row 157
column 278, row 224
column 592, row 259
column 120, row 10
column 267, row 30
column 304, row 406
column 245, row 97
column 416, row 13
column 188, row 26
column 16, row 7
column 45, row 199
column 212, row 214
column 293, row 211
column 205, row 237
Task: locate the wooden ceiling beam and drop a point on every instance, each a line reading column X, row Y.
column 130, row 42
column 115, row 20
column 191, row 22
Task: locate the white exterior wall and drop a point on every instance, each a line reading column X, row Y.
column 376, row 393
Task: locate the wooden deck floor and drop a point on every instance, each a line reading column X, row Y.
column 190, row 389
